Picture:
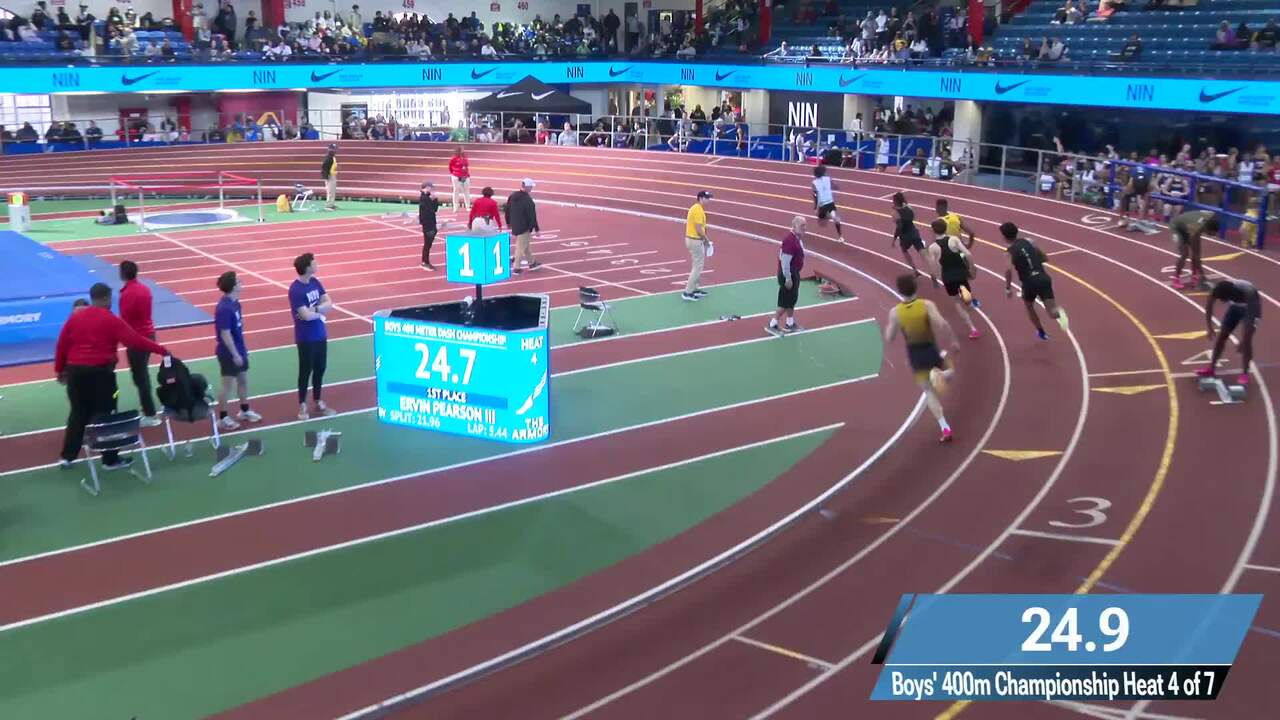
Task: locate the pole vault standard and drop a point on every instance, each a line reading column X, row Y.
column 179, row 183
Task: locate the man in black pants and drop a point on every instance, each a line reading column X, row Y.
column 1028, row 261
column 309, row 303
column 427, row 207
column 85, row 361
column 135, row 310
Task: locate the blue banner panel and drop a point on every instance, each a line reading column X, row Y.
column 475, row 381
column 1109, row 645
column 1152, row 93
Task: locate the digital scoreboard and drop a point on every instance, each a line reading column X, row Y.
column 477, row 258
column 476, row 369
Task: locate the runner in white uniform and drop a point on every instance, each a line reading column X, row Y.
column 824, row 199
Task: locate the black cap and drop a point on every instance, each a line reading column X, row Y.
column 704, row 194
column 333, row 146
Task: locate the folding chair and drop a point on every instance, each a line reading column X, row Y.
column 119, row 431
column 201, row 411
column 590, row 301
column 301, row 196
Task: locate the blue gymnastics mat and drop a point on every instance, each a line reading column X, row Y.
column 40, row 284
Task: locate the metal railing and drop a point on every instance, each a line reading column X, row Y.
column 1092, row 181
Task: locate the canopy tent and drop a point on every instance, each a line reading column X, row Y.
column 531, row 95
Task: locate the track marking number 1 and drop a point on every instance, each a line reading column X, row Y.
column 1095, row 511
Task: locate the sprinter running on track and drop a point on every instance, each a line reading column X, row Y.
column 921, row 324
column 907, row 236
column 824, row 199
column 955, row 264
column 1028, row 261
column 955, row 223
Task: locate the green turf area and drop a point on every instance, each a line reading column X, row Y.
column 208, row 647
column 36, row 406
column 46, row 510
column 70, row 230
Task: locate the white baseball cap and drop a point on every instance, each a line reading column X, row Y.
column 527, row 183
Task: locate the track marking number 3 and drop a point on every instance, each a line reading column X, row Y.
column 1094, row 509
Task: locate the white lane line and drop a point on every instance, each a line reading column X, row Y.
column 403, row 531
column 555, row 346
column 260, row 276
column 431, row 471
column 1064, row 537
column 1262, row 568
column 785, row 652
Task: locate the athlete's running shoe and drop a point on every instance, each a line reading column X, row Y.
column 1062, row 318
column 946, row 435
column 690, row 297
column 974, row 334
column 1243, row 380
column 1176, row 282
column 1042, row 334
column 1207, row 371
column 228, row 423
column 249, row 416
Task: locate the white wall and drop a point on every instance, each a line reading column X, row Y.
column 105, row 109
column 755, row 106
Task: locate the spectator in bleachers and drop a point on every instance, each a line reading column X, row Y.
column 85, row 21
column 64, row 42
column 1053, row 49
column 1028, row 51
column 27, row 134
column 1225, row 38
column 167, row 50
column 1265, row 39
column 93, row 133
column 225, row 23
column 278, row 51
column 40, row 16
column 354, row 18
column 63, row 20
column 152, row 51
column 1132, row 49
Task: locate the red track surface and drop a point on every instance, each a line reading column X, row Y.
column 921, row 519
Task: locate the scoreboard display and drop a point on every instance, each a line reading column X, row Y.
column 477, row 258
column 489, row 382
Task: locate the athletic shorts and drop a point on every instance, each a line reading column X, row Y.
column 923, row 358
column 787, row 298
column 826, row 211
column 1250, row 313
column 227, row 367
column 1037, row 287
column 906, row 242
column 953, row 285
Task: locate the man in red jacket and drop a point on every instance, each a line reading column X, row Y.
column 135, row 310
column 460, row 172
column 486, row 211
column 85, row 361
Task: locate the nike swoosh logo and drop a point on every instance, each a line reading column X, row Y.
column 1002, row 89
column 317, row 78
column 722, row 76
column 126, row 80
column 852, row 80
column 616, row 73
column 540, row 96
column 506, row 94
column 1210, row 97
column 477, row 75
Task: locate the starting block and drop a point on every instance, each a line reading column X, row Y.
column 228, row 456
column 1227, row 394
column 324, row 442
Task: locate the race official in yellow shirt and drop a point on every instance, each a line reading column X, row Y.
column 696, row 242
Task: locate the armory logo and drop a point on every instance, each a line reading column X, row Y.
column 20, row 318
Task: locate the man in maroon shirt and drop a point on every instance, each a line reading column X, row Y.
column 135, row 310
column 85, row 361
column 790, row 263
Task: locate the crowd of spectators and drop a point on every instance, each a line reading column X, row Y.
column 1244, row 38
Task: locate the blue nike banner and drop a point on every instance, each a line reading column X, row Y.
column 1227, row 96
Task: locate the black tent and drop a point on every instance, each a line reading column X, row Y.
column 531, row 95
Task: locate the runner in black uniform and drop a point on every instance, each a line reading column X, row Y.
column 907, row 236
column 1028, row 260
column 955, row 264
column 1244, row 302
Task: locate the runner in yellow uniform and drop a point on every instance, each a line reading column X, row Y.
column 920, row 324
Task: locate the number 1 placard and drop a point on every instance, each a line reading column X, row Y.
column 477, row 258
